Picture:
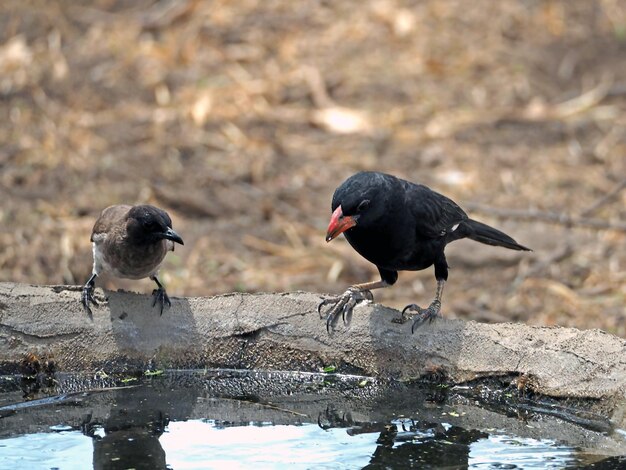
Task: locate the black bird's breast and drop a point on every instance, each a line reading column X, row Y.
column 396, row 248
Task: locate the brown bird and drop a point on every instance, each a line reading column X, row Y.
column 130, row 242
column 400, row 226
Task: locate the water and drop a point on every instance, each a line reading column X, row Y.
column 226, row 419
column 200, row 444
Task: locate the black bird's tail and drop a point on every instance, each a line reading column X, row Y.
column 490, row 236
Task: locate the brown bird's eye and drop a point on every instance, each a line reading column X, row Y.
column 150, row 225
column 363, row 205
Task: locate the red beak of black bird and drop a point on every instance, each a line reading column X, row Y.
column 400, row 226
column 131, row 242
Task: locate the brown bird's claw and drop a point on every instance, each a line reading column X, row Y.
column 422, row 314
column 343, row 304
column 87, row 298
column 159, row 295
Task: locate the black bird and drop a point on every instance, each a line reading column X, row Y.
column 400, row 226
column 131, row 242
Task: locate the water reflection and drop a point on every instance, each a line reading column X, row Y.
column 410, row 442
column 172, row 424
column 130, row 435
column 444, row 448
column 117, row 445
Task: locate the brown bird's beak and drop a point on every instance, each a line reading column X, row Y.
column 171, row 235
column 339, row 224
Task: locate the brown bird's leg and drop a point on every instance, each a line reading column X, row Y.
column 87, row 296
column 159, row 294
column 346, row 302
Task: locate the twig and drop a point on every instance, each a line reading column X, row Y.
column 552, row 217
column 266, row 405
column 164, row 13
column 604, row 199
column 608, row 142
column 584, row 101
column 317, row 85
column 565, row 252
column 60, row 398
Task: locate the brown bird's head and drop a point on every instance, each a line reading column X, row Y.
column 149, row 224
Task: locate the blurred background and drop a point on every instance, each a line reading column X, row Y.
column 241, row 118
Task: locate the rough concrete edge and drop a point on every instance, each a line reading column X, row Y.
column 282, row 331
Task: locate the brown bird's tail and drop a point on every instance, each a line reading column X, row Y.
column 490, row 236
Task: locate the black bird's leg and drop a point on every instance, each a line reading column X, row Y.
column 159, row 295
column 346, row 302
column 87, row 295
column 430, row 313
column 434, row 309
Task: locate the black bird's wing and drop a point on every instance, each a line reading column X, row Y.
column 435, row 215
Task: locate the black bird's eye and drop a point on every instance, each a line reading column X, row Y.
column 363, row 205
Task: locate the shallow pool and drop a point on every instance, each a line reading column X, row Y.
column 191, row 420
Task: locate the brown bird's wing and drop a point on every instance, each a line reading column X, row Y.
column 108, row 219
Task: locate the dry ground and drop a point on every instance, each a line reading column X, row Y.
column 241, row 117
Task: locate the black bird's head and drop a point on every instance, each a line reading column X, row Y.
column 149, row 224
column 359, row 201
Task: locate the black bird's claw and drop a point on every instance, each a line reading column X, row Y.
column 87, row 299
column 159, row 295
column 423, row 314
column 344, row 303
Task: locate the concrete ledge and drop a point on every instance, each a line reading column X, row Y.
column 284, row 332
